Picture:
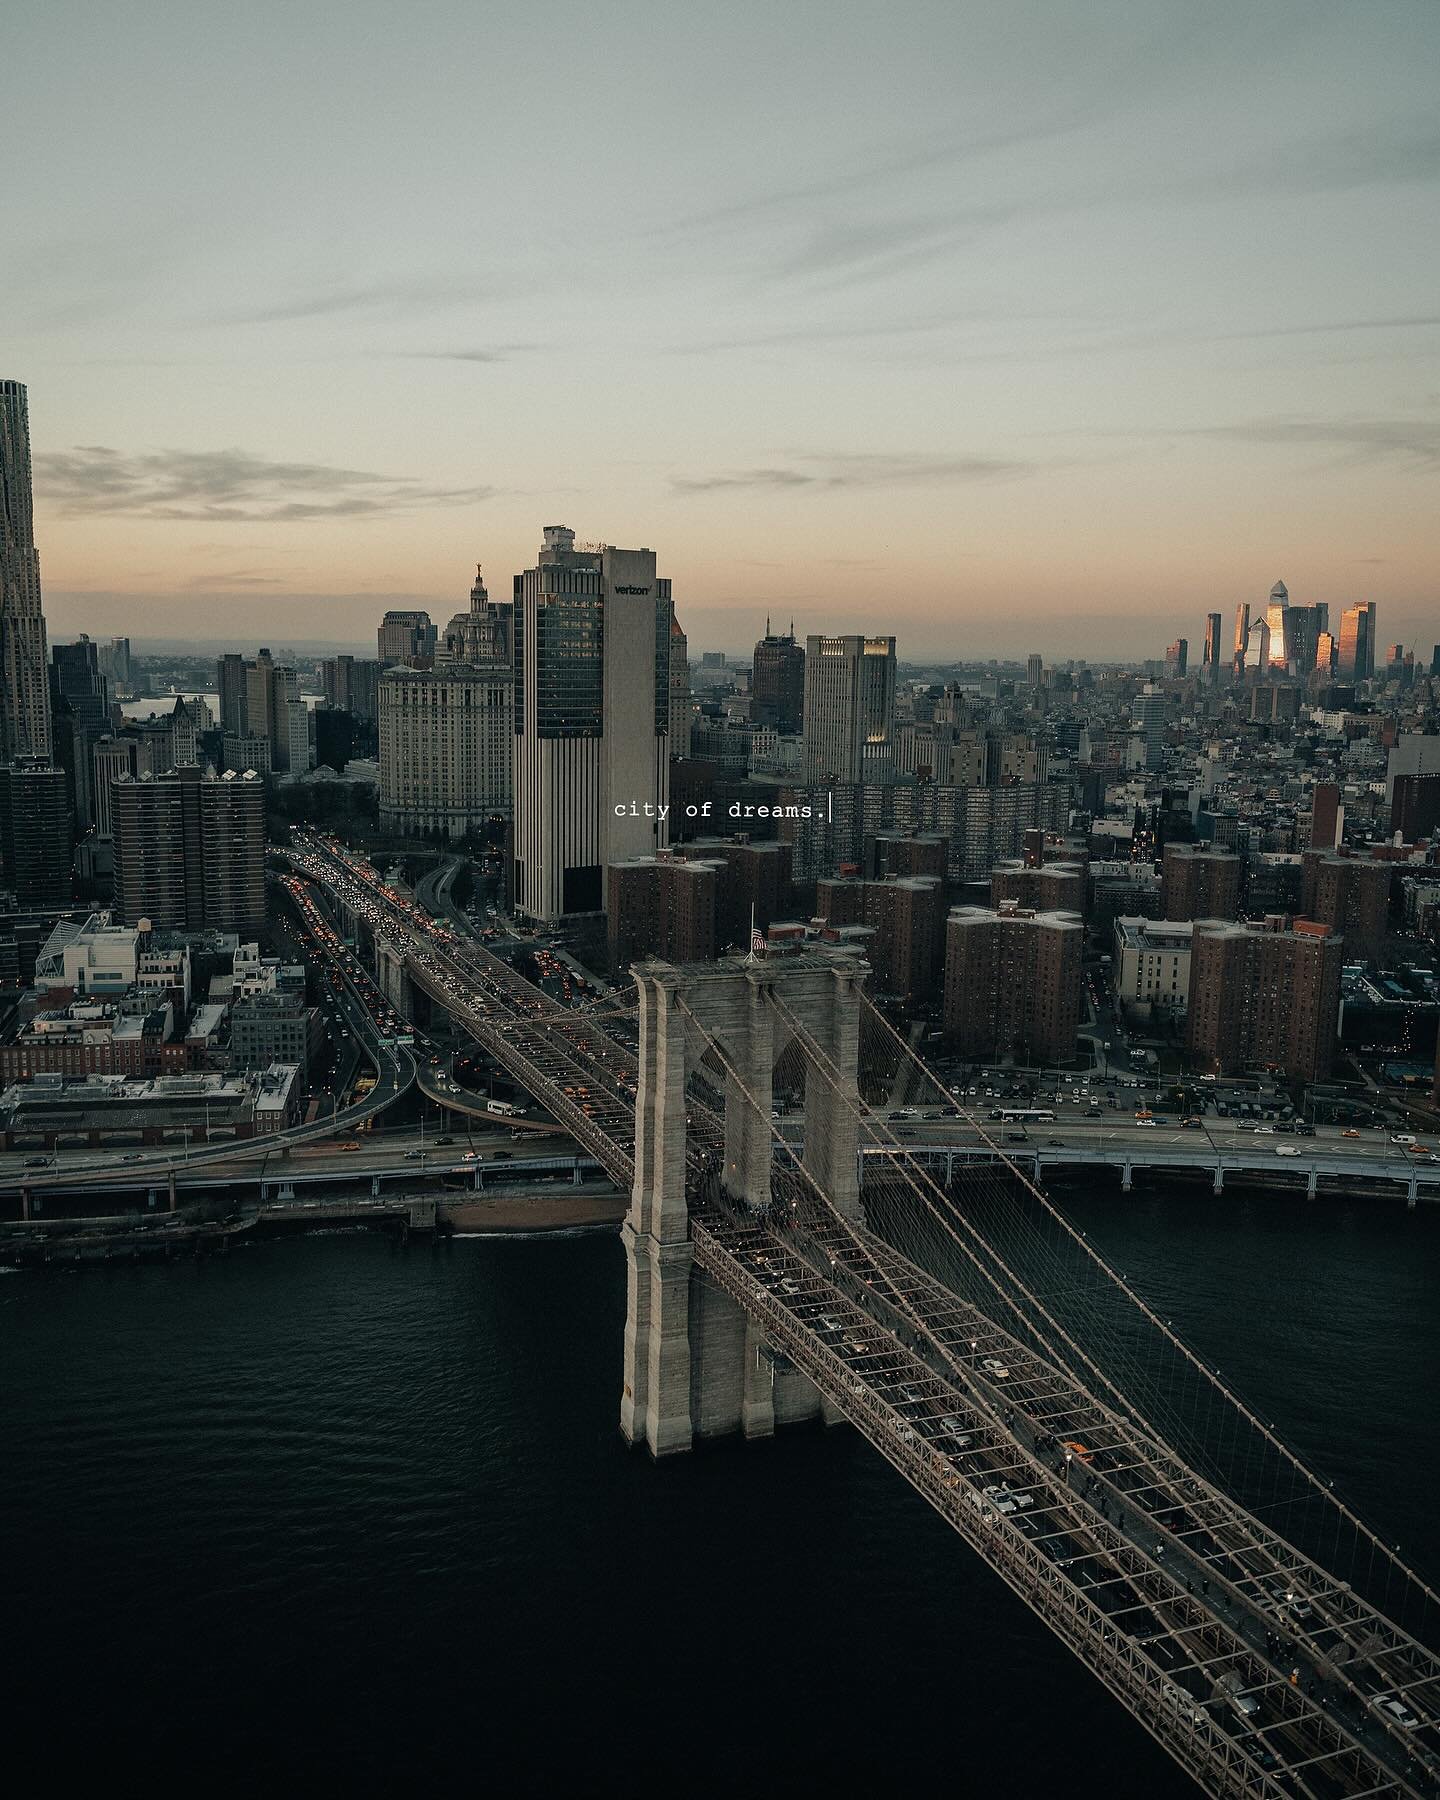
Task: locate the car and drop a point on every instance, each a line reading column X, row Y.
column 1286, row 1150
column 1349, row 1132
column 1076, row 1448
column 1183, row 1703
column 501, row 1156
column 1245, row 1704
column 445, row 1140
column 992, row 1365
column 1391, row 1707
column 38, row 1162
column 1402, row 1137
column 413, row 1155
column 1264, row 1131
column 134, row 1156
column 1303, row 1130
column 352, row 1145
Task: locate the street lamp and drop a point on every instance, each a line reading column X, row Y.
column 1068, row 1456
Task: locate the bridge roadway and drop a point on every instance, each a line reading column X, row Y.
column 1219, row 1148
column 1159, row 1582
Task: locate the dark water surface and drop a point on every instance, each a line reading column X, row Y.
column 335, row 1512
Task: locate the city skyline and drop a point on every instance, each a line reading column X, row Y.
column 1053, row 332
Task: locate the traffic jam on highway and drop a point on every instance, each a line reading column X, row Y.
column 569, row 1054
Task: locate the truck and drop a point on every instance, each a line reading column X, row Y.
column 506, row 1109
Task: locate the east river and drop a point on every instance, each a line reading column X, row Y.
column 334, row 1512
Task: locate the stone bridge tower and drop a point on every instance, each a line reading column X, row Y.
column 695, row 1365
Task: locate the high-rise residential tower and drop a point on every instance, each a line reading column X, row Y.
column 24, row 676
column 592, row 716
column 190, row 850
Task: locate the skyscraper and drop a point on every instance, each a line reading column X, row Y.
column 592, row 716
column 24, row 677
column 36, row 833
column 1149, row 717
column 777, row 682
column 1275, row 611
column 849, row 708
column 446, row 747
column 680, row 720
column 79, row 714
column 1177, row 658
column 351, row 684
column 1212, row 646
column 406, row 637
column 1257, row 649
column 1242, row 635
column 1356, row 661
column 233, row 689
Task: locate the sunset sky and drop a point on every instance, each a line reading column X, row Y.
column 1001, row 328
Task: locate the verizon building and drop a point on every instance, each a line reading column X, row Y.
column 592, row 706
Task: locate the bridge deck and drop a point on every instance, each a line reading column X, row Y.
column 1167, row 1588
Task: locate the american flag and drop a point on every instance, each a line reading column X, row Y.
column 757, row 940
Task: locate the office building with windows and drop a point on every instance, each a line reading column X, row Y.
column 777, row 683
column 37, row 840
column 592, row 716
column 406, row 637
column 447, row 743
column 849, row 708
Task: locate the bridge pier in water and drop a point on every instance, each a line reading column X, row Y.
column 695, row 1364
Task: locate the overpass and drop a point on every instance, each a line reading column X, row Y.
column 1129, row 1153
column 1251, row 1621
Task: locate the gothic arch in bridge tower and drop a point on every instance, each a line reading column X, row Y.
column 694, row 1365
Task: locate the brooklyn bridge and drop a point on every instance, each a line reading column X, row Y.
column 1164, row 1530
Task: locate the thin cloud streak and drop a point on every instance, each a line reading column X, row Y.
column 856, row 471
column 1407, row 441
column 402, row 293
column 498, row 353
column 227, row 486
